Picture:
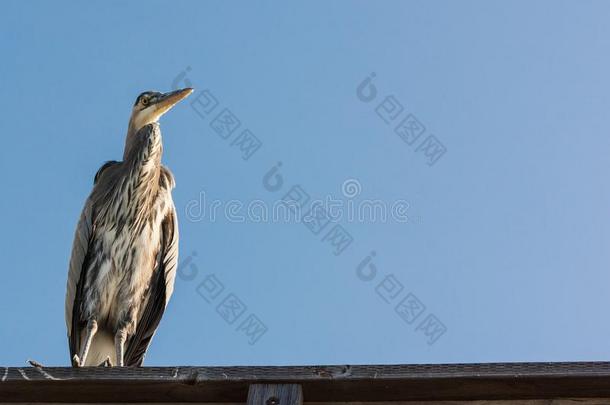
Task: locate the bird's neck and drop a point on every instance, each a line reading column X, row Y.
column 138, row 184
column 138, row 137
column 143, row 151
column 131, row 140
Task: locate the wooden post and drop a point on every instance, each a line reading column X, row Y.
column 275, row 394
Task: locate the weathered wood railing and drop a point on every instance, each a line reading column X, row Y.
column 499, row 383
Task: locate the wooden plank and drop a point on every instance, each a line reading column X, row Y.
column 571, row 401
column 364, row 383
column 585, row 401
column 275, row 394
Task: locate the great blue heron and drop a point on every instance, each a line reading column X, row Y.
column 125, row 248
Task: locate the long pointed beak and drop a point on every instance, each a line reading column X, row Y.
column 168, row 100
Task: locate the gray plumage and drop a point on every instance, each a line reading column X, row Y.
column 123, row 264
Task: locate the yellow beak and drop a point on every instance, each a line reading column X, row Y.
column 168, row 100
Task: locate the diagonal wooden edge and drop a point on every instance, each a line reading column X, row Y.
column 319, row 383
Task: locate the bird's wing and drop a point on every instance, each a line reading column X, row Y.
column 161, row 289
column 78, row 266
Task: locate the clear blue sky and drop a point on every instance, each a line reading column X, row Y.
column 506, row 242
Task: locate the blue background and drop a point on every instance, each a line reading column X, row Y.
column 507, row 242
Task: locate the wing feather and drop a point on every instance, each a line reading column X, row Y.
column 79, row 260
column 80, row 247
column 161, row 289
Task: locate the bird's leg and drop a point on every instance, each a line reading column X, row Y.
column 91, row 330
column 119, row 343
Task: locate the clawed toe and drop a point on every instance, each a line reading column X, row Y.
column 106, row 363
column 36, row 364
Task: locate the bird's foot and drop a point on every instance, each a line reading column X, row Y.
column 106, row 363
column 76, row 361
column 36, row 364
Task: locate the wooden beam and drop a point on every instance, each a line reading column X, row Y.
column 363, row 383
column 586, row 401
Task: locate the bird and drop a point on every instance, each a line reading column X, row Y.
column 125, row 250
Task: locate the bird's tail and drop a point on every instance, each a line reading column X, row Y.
column 102, row 348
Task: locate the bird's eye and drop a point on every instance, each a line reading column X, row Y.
column 144, row 101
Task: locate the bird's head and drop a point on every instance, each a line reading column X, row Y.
column 151, row 105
